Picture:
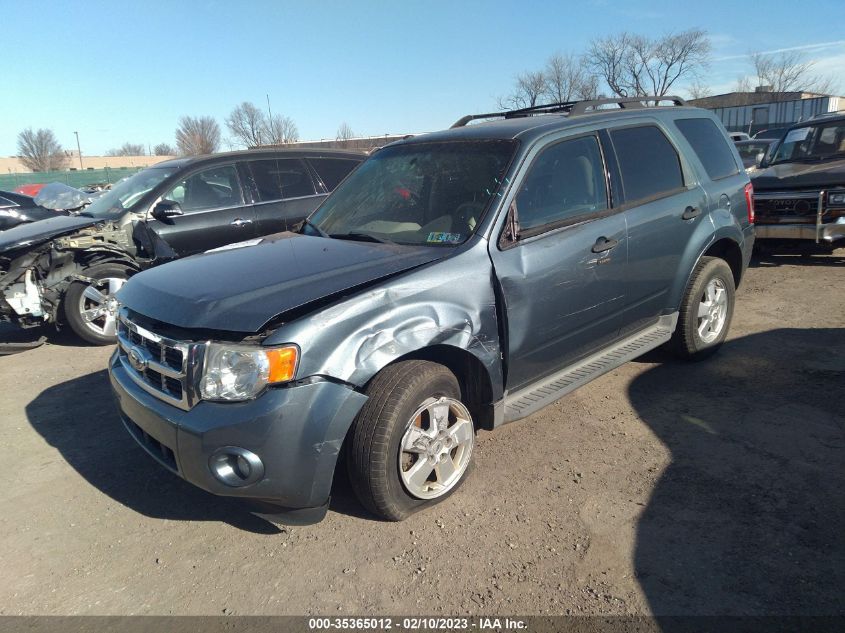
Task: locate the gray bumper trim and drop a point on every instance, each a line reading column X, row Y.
column 829, row 233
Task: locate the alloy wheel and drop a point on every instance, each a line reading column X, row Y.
column 98, row 305
column 435, row 451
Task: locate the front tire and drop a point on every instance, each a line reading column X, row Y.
column 412, row 442
column 91, row 309
column 706, row 310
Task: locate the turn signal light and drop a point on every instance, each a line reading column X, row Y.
column 282, row 364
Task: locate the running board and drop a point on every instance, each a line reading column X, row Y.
column 531, row 399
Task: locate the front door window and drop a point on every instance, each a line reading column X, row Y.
column 213, row 188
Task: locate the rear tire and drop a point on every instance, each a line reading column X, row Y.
column 706, row 310
column 411, row 443
column 90, row 309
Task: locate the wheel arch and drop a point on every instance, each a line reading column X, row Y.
column 728, row 250
column 88, row 258
column 473, row 377
column 724, row 243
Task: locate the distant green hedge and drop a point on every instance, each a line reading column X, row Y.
column 73, row 178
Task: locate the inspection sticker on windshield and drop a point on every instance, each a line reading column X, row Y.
column 445, row 238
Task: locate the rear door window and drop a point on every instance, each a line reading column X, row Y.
column 648, row 162
column 565, row 182
column 332, row 170
column 710, row 145
column 278, row 178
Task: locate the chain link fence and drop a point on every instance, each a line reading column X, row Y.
column 78, row 179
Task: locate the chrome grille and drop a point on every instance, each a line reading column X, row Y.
column 787, row 206
column 159, row 365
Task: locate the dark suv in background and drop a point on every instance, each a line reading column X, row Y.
column 457, row 280
column 70, row 267
column 799, row 191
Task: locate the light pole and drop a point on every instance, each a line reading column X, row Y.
column 79, row 151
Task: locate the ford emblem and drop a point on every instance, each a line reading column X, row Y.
column 137, row 359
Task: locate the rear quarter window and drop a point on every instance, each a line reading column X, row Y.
column 710, row 145
column 648, row 163
column 332, row 170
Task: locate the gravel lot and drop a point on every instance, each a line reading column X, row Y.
column 664, row 488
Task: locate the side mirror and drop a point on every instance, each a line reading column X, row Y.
column 166, row 209
column 758, row 160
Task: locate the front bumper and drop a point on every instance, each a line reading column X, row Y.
column 296, row 431
column 829, row 233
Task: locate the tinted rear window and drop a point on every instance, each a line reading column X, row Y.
column 648, row 162
column 281, row 178
column 710, row 145
column 332, row 170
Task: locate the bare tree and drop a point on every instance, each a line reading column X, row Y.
column 344, row 132
column 635, row 65
column 248, row 124
column 251, row 126
column 567, row 78
column 789, row 71
column 743, row 84
column 127, row 149
column 281, row 130
column 607, row 57
column 40, row 151
column 164, row 149
column 589, row 88
column 699, row 90
column 530, row 86
column 197, row 135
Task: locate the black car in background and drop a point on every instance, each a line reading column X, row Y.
column 68, row 268
column 16, row 208
column 799, row 190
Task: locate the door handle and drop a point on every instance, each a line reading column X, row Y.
column 690, row 213
column 239, row 222
column 603, row 244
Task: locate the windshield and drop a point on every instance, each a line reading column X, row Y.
column 812, row 142
column 127, row 192
column 430, row 194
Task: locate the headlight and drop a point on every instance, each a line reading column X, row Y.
column 836, row 199
column 241, row 372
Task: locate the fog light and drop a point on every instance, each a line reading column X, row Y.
column 236, row 467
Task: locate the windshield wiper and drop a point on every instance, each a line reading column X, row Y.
column 315, row 227
column 364, row 237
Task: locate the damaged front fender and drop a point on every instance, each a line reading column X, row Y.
column 449, row 303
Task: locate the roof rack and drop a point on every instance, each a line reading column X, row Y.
column 573, row 108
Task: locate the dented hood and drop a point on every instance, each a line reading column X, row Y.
column 36, row 232
column 800, row 175
column 241, row 289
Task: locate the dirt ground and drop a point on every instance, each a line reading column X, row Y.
column 663, row 487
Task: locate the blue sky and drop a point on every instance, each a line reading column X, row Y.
column 123, row 71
